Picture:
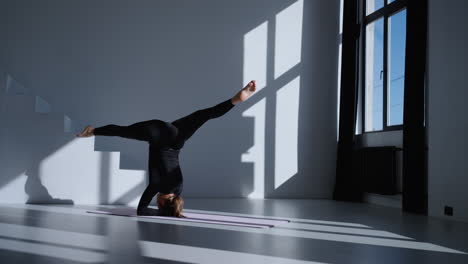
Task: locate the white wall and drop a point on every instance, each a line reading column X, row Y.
column 121, row 62
column 447, row 108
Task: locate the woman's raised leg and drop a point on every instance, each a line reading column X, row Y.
column 189, row 124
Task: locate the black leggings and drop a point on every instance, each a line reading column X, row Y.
column 156, row 131
column 159, row 135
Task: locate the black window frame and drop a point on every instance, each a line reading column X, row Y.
column 384, row 12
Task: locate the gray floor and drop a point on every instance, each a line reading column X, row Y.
column 321, row 231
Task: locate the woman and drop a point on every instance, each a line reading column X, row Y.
column 165, row 141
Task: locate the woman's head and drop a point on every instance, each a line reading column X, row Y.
column 170, row 205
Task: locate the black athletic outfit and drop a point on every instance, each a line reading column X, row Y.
column 165, row 141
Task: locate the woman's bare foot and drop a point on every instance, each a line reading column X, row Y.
column 87, row 132
column 244, row 93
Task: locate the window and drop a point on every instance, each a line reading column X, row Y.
column 384, row 41
column 374, row 75
column 372, row 5
column 396, row 66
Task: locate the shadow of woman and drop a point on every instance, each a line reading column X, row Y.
column 37, row 192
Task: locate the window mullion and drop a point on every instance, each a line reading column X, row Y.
column 385, row 74
column 363, row 67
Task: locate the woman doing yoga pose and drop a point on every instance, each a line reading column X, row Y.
column 165, row 142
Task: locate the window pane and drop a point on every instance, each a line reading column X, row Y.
column 372, row 5
column 396, row 66
column 374, row 76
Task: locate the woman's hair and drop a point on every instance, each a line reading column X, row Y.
column 173, row 206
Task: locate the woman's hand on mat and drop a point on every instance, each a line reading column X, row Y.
column 244, row 93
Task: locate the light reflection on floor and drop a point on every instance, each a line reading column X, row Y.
column 38, row 232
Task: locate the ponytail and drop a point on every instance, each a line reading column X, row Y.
column 173, row 207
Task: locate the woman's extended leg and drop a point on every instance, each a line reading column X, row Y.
column 189, row 124
column 138, row 131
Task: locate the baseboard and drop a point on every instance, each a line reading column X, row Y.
column 384, row 200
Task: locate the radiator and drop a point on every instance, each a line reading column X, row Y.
column 377, row 169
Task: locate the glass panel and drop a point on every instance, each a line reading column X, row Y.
column 372, row 5
column 396, row 66
column 374, row 76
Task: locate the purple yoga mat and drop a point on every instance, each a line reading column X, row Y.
column 200, row 218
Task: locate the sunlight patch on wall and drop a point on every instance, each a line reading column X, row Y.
column 72, row 170
column 256, row 154
column 15, row 88
column 92, row 172
column 121, row 181
column 255, row 55
column 14, row 189
column 287, row 48
column 288, row 38
column 287, row 125
column 41, row 106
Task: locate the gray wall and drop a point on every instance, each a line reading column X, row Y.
column 121, row 62
column 447, row 108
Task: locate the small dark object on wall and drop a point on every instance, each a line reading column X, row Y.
column 448, row 210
